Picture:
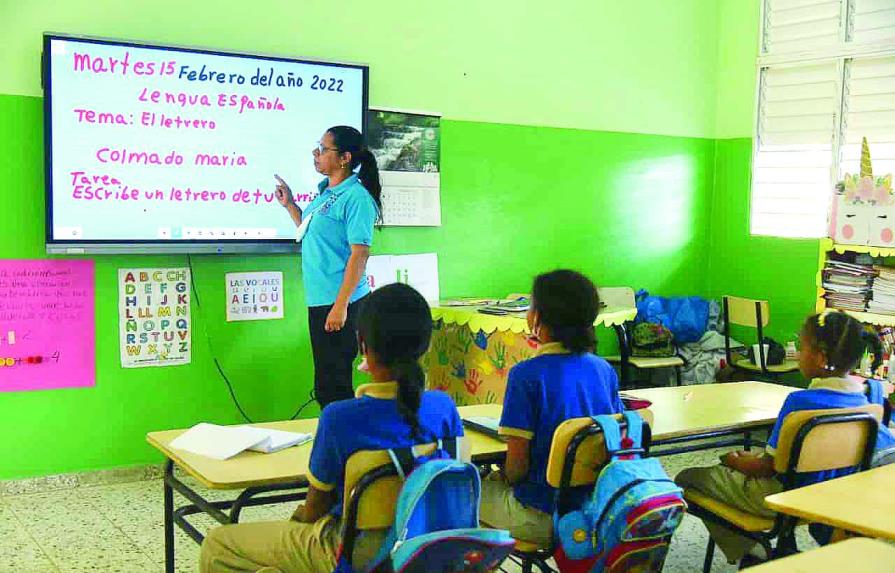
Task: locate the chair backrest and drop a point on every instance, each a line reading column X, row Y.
column 742, row 311
column 371, row 484
column 819, row 440
column 588, row 455
column 616, row 297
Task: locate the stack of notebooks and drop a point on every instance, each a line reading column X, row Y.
column 882, row 297
column 847, row 285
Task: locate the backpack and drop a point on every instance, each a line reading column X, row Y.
column 651, row 339
column 436, row 524
column 634, row 510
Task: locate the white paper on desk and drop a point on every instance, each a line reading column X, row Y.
column 276, row 440
column 217, row 442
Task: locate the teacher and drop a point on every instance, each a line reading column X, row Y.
column 338, row 231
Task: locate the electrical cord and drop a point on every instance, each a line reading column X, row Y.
column 217, row 364
column 312, row 396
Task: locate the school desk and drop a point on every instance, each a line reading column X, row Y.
column 862, row 502
column 472, row 352
column 860, row 555
column 710, row 413
column 681, row 414
column 262, row 478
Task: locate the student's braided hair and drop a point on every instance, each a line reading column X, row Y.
column 395, row 324
column 842, row 339
column 567, row 303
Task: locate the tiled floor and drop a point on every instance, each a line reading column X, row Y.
column 118, row 528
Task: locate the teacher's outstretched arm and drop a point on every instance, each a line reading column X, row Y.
column 354, row 270
column 284, row 196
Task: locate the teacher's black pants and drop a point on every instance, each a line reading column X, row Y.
column 334, row 354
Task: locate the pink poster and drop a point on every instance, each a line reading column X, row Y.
column 46, row 324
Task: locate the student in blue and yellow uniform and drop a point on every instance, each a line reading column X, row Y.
column 832, row 343
column 565, row 381
column 394, row 328
column 335, row 249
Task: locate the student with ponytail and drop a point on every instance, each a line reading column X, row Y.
column 832, row 343
column 394, row 411
column 338, row 233
column 566, row 380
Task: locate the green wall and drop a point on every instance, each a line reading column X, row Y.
column 779, row 270
column 646, row 66
column 626, row 208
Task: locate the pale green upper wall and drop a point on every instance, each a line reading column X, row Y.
column 738, row 25
column 642, row 66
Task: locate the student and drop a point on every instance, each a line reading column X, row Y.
column 394, row 328
column 832, row 343
column 566, row 380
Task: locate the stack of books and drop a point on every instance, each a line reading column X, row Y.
column 882, row 296
column 847, row 285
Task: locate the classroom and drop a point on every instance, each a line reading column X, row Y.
column 217, row 214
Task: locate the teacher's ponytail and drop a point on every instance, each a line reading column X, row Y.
column 349, row 140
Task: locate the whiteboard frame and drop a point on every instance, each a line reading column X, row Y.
column 148, row 246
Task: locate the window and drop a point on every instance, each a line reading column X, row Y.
column 826, row 79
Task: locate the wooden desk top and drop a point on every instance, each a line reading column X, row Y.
column 254, row 468
column 678, row 411
column 687, row 410
column 862, row 502
column 859, row 555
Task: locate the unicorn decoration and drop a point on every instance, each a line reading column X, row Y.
column 863, row 208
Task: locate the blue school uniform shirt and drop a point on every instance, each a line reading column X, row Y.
column 823, row 394
column 541, row 394
column 344, row 215
column 372, row 422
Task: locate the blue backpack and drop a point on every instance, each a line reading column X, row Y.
column 634, row 510
column 436, row 524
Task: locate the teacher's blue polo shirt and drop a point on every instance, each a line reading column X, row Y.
column 343, row 216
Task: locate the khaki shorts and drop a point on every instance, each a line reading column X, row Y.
column 282, row 547
column 501, row 510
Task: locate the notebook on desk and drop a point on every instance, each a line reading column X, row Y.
column 484, row 425
column 224, row 442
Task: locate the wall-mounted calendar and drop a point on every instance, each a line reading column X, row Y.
column 407, row 146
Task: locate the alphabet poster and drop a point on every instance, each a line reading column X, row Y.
column 47, row 335
column 254, row 296
column 154, row 314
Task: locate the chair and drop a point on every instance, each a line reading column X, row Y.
column 809, row 441
column 623, row 297
column 370, row 496
column 577, row 454
column 754, row 314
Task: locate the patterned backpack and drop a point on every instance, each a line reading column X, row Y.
column 634, row 510
column 651, row 339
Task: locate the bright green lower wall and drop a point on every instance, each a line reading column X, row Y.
column 625, row 208
column 780, row 270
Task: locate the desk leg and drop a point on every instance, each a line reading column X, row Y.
column 169, row 517
column 747, row 441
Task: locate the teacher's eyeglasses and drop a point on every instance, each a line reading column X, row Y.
column 321, row 149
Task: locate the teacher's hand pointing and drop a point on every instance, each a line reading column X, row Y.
column 283, row 192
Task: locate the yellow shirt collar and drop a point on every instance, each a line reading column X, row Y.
column 552, row 348
column 381, row 390
column 850, row 385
